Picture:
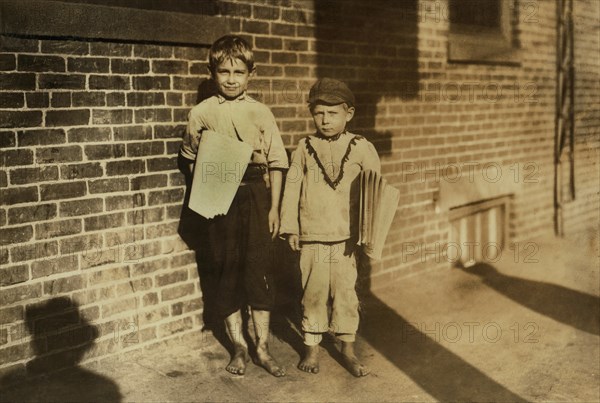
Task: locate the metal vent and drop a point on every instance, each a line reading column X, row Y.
column 479, row 231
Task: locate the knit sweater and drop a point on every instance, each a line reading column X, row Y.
column 321, row 196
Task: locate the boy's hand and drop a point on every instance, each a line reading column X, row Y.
column 294, row 242
column 274, row 222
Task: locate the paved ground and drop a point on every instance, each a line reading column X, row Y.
column 525, row 331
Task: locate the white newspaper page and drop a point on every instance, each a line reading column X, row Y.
column 220, row 165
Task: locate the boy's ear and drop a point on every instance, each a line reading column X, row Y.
column 252, row 72
column 210, row 72
column 349, row 113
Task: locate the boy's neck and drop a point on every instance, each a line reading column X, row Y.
column 330, row 138
column 223, row 98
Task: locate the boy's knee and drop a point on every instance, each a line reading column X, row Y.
column 314, row 302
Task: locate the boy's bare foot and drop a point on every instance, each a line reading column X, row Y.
column 352, row 363
column 266, row 360
column 237, row 365
column 354, row 366
column 310, row 362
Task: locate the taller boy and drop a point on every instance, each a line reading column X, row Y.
column 241, row 240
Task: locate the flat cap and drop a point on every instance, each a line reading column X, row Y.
column 331, row 92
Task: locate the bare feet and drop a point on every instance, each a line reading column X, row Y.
column 351, row 361
column 265, row 360
column 237, row 365
column 310, row 362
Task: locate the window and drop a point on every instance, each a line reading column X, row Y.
column 483, row 13
column 481, row 31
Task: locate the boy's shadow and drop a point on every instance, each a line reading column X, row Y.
column 438, row 371
column 193, row 231
column 286, row 320
column 60, row 338
column 571, row 307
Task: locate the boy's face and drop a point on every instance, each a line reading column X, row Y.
column 331, row 119
column 232, row 78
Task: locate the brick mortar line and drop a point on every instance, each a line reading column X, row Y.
column 88, row 179
column 61, row 240
column 136, row 294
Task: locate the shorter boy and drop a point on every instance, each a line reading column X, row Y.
column 319, row 218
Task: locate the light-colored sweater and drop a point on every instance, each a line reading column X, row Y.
column 321, row 196
column 244, row 118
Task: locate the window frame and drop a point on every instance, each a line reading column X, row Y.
column 81, row 21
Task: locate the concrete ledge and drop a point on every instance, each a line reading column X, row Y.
column 477, row 185
column 60, row 19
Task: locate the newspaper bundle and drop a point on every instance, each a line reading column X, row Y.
column 378, row 204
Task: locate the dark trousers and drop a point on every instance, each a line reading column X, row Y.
column 242, row 252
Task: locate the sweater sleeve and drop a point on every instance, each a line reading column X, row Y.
column 276, row 155
column 371, row 158
column 191, row 137
column 291, row 195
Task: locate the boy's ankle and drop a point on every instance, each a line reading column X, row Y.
column 237, row 347
column 348, row 348
column 312, row 339
column 262, row 346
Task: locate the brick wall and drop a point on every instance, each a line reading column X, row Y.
column 89, row 130
column 90, row 189
column 583, row 211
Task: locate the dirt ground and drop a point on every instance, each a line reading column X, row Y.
column 523, row 329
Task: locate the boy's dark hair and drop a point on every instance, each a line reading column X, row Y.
column 230, row 47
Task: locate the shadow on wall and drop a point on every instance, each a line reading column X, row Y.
column 206, row 89
column 60, row 337
column 373, row 47
column 571, row 307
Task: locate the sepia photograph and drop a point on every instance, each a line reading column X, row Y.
column 300, row 201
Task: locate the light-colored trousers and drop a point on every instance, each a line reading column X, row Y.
column 328, row 275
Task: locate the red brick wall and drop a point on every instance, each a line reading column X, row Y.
column 90, row 130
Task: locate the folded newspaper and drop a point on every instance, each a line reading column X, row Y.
column 220, row 165
column 378, row 204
